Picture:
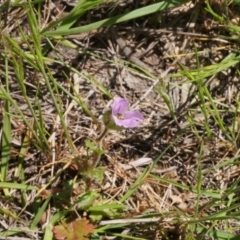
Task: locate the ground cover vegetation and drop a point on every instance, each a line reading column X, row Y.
column 119, row 119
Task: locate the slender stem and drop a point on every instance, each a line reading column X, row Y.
column 97, row 157
column 102, row 135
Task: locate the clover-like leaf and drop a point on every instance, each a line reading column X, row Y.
column 86, row 200
column 93, row 147
column 78, row 229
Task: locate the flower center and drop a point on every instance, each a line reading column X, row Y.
column 120, row 116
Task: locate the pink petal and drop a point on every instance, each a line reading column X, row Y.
column 134, row 114
column 117, row 121
column 132, row 119
column 127, row 123
column 130, row 123
column 119, row 106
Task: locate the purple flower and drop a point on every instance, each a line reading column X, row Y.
column 124, row 117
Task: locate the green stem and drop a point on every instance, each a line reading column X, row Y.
column 97, row 157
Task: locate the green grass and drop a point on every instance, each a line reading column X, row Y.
column 46, row 177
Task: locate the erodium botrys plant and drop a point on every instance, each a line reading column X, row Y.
column 118, row 118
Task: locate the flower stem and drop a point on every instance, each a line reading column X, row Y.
column 102, row 135
column 97, row 157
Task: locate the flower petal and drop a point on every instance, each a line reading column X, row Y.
column 117, row 121
column 130, row 123
column 119, row 106
column 134, row 114
column 132, row 119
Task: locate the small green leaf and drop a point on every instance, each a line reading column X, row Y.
column 98, row 175
column 93, row 147
column 86, row 200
